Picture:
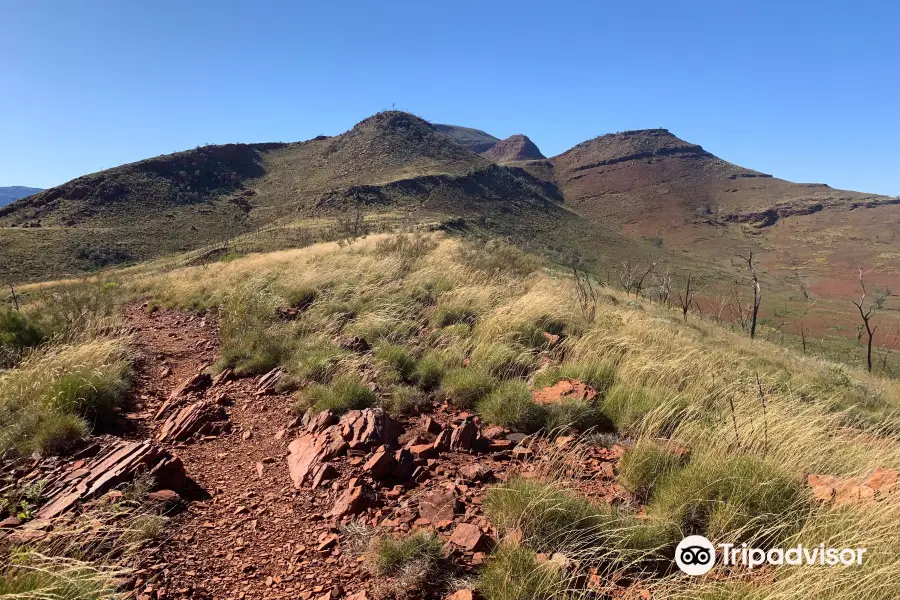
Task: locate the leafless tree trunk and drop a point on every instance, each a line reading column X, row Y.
column 757, row 291
column 865, row 312
column 687, row 298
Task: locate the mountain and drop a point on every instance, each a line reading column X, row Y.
column 475, row 140
column 512, row 149
column 623, row 196
column 13, row 193
column 390, row 162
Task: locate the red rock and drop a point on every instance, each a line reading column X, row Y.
column 268, row 382
column 310, row 450
column 170, row 497
column 355, row 499
column 494, row 432
column 500, row 445
column 120, row 463
column 476, row 472
column 439, row 505
column 10, row 522
column 521, row 452
column 404, row 465
column 468, row 537
column 442, row 442
column 322, row 473
column 315, row 422
column 195, row 383
column 466, row 594
column 363, row 429
column 550, row 338
column 422, row 451
column 247, row 435
column 222, row 377
column 380, row 464
column 564, row 390
column 463, row 436
column 200, row 418
column 432, row 426
column 883, row 479
column 358, row 596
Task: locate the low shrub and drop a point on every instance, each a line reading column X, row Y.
column 318, row 360
column 627, row 406
column 466, row 386
column 645, row 464
column 503, row 361
column 410, row 563
column 445, row 316
column 399, row 359
column 514, row 573
column 405, row 401
column 347, row 392
column 430, row 371
column 253, row 341
column 741, row 498
column 54, row 398
column 18, row 333
column 510, row 405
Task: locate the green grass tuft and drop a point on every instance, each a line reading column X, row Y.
column 347, row 392
column 466, row 386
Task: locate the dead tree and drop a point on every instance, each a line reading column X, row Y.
column 686, row 299
column 665, row 287
column 757, row 291
column 587, row 290
column 865, row 313
column 640, row 282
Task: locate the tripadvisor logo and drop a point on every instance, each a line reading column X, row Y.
column 696, row 555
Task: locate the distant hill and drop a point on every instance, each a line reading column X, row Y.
column 613, row 197
column 13, row 193
column 512, row 149
column 475, row 140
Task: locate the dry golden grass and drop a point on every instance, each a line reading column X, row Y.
column 720, row 394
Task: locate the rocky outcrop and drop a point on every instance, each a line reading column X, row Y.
column 199, row 418
column 323, row 439
column 514, row 148
column 120, row 462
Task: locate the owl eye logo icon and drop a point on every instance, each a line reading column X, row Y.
column 695, row 555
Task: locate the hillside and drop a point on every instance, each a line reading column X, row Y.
column 512, row 149
column 13, row 193
column 633, row 196
column 474, row 139
column 389, row 162
column 419, row 417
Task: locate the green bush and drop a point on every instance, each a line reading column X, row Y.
column 549, row 517
column 388, row 556
column 466, row 386
column 318, row 361
column 575, row 414
column 430, row 371
column 510, row 405
column 47, row 403
column 645, row 464
column 513, row 573
column 741, row 498
column 347, row 392
column 502, row 360
column 398, row 359
column 18, row 333
column 253, row 340
column 627, row 405
column 444, row 316
column 405, row 401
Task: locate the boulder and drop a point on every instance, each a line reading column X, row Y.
column 199, row 418
column 119, row 463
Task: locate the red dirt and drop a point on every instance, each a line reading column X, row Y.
column 258, row 537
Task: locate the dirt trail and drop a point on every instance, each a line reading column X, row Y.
column 255, row 536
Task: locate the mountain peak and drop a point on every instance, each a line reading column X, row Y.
column 515, row 147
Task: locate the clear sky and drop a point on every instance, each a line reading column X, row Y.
column 805, row 90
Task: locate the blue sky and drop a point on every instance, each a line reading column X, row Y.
column 807, row 91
